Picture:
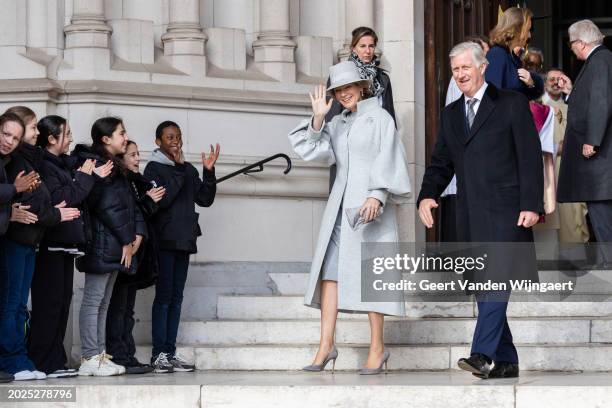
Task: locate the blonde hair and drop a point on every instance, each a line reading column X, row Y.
column 512, row 28
column 25, row 114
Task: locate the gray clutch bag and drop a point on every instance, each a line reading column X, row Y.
column 355, row 220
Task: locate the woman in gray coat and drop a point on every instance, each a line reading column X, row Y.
column 363, row 135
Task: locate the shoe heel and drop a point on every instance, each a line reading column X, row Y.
column 333, row 365
column 386, row 370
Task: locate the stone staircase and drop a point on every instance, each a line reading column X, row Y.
column 250, row 317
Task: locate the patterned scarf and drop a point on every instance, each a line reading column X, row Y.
column 368, row 71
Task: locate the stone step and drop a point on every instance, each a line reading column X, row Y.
column 290, row 283
column 292, row 307
column 221, row 389
column 537, row 357
column 407, row 331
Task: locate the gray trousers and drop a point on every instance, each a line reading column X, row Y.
column 92, row 317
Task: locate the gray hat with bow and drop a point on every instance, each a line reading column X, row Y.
column 345, row 73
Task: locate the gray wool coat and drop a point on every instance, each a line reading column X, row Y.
column 371, row 162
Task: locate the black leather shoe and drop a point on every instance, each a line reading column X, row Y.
column 477, row 364
column 136, row 367
column 504, row 370
column 6, row 377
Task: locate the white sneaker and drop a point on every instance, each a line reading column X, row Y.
column 24, row 375
column 39, row 375
column 107, row 359
column 96, row 366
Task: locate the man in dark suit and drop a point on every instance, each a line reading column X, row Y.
column 489, row 140
column 586, row 163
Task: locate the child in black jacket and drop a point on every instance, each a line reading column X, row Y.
column 53, row 276
column 120, row 319
column 116, row 229
column 11, row 131
column 20, row 245
column 177, row 228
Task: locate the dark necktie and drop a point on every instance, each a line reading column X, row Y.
column 470, row 111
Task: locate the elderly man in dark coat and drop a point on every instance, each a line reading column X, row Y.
column 489, row 140
column 586, row 165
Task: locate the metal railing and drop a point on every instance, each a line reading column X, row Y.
column 259, row 166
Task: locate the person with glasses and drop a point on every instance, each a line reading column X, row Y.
column 586, row 170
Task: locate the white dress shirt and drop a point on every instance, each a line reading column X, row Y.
column 478, row 96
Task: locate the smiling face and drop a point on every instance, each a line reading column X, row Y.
column 552, row 83
column 31, row 132
column 348, row 96
column 66, row 139
column 365, row 48
column 468, row 76
column 117, row 142
column 170, row 141
column 60, row 144
column 10, row 136
column 131, row 158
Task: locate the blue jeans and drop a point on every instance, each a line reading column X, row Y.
column 19, row 261
column 166, row 314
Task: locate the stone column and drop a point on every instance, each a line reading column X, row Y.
column 184, row 35
column 274, row 48
column 184, row 41
column 88, row 28
column 358, row 13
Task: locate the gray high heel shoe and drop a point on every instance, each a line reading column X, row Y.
column 332, row 356
column 372, row 371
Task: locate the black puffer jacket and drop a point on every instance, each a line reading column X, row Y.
column 176, row 222
column 29, row 158
column 7, row 192
column 148, row 267
column 56, row 172
column 114, row 220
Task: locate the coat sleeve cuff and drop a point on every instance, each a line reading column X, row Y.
column 208, row 175
column 314, row 135
column 380, row 195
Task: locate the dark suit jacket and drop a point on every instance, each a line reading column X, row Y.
column 498, row 164
column 589, row 115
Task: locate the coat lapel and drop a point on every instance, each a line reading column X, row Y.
column 486, row 107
